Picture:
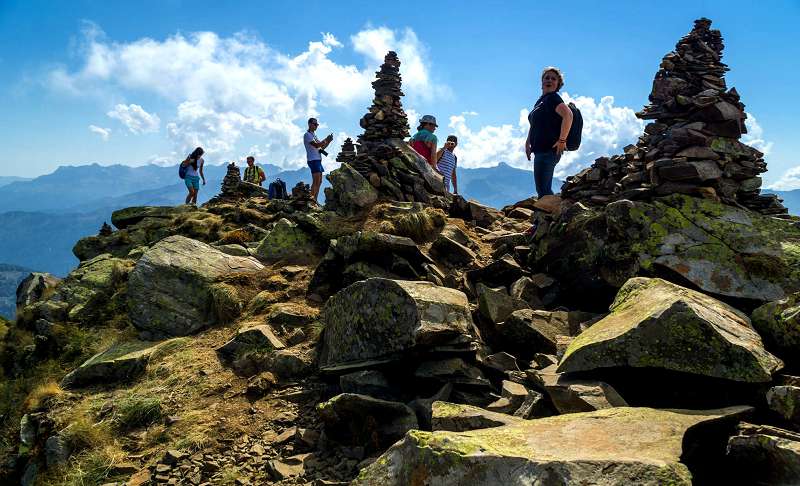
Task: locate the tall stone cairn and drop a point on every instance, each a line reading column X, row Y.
column 382, row 155
column 231, row 181
column 692, row 145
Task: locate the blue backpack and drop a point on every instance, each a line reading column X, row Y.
column 183, row 169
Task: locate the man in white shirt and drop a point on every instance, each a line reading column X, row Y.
column 313, row 146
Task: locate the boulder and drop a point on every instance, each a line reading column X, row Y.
column 123, row 218
column 250, row 338
column 533, row 331
column 456, row 417
column 35, row 287
column 501, row 361
column 654, row 323
column 571, row 395
column 512, row 395
column 785, row 401
column 351, row 192
column 722, row 250
column 87, row 290
column 483, row 215
column 286, row 241
column 367, row 382
column 289, row 315
column 169, row 289
column 616, row 446
column 378, row 320
column 527, row 291
column 450, row 251
column 495, row 304
column 451, row 370
column 778, row 323
column 121, row 362
column 499, row 273
column 761, row 454
column 365, row 421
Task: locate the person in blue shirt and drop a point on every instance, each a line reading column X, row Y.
column 550, row 122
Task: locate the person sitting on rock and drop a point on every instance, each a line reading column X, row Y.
column 550, row 122
column 253, row 173
column 194, row 173
column 447, row 161
column 313, row 156
column 424, row 141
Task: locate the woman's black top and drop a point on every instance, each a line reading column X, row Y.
column 545, row 123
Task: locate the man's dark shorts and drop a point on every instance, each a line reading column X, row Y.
column 315, row 166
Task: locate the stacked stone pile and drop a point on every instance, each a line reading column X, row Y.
column 692, row 145
column 383, row 158
column 234, row 187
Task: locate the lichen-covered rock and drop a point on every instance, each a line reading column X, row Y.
column 360, row 420
column 456, row 417
column 761, row 454
column 122, row 218
column 88, row 288
column 778, row 323
column 286, row 241
column 378, row 320
column 495, row 304
column 533, row 331
column 721, row 249
column 121, row 362
column 571, row 395
column 616, row 446
column 351, row 191
column 169, row 290
column 654, row 323
column 785, row 401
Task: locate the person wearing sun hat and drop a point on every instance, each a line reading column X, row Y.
column 424, row 141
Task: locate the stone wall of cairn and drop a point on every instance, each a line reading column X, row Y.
column 692, row 145
column 234, row 187
column 382, row 156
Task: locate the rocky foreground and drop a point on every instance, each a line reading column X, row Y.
column 404, row 336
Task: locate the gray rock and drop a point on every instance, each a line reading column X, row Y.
column 351, row 191
column 367, row 382
column 483, row 215
column 785, row 401
column 233, row 249
column 533, row 331
column 456, row 417
column 292, row 363
column 451, row 251
column 122, row 362
column 640, row 446
column 527, row 291
column 169, row 289
column 378, row 320
column 361, row 420
column 249, row 338
column 57, row 451
column 501, row 362
column 35, row 287
column 570, row 395
column 451, row 370
column 423, row 407
column 654, row 323
column 512, row 396
column 533, row 406
column 286, row 241
column 495, row 304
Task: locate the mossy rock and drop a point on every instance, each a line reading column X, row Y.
column 615, row 446
column 654, row 323
column 286, row 241
column 778, row 323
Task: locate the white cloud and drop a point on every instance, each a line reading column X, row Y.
column 790, row 180
column 228, row 89
column 755, row 135
column 104, row 133
column 135, row 118
column 606, row 129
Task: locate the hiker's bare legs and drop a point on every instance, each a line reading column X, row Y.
column 316, row 182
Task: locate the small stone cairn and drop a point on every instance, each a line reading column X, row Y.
column 105, row 230
column 231, row 181
column 383, row 157
column 692, row 145
column 301, row 191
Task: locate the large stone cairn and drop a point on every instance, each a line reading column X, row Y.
column 348, row 152
column 383, row 157
column 692, row 145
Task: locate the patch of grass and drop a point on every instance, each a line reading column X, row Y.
column 83, row 433
column 91, row 467
column 314, row 330
column 237, row 237
column 229, row 475
column 137, row 411
column 41, row 395
column 196, row 431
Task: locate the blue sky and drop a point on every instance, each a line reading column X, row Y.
column 141, row 82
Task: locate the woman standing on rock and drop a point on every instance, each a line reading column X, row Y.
column 550, row 122
column 424, row 141
column 194, row 172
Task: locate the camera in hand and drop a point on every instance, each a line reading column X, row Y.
column 323, row 152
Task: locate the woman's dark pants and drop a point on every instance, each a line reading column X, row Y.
column 544, row 163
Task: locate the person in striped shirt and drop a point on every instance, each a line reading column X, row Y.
column 447, row 162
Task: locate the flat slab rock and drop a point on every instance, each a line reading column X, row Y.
column 168, row 290
column 617, row 446
column 457, row 417
column 120, row 362
column 378, row 319
column 655, row 323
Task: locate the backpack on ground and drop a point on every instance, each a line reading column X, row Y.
column 574, row 136
column 277, row 190
column 183, row 168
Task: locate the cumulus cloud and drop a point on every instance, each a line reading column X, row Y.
column 104, row 133
column 135, row 118
column 225, row 89
column 790, row 180
column 606, row 129
column 755, row 135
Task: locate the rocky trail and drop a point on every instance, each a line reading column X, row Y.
column 645, row 333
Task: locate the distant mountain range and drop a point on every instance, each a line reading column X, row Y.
column 42, row 218
column 6, row 180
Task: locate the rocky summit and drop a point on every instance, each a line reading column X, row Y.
column 645, row 333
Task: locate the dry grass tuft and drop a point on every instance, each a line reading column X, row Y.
column 38, row 398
